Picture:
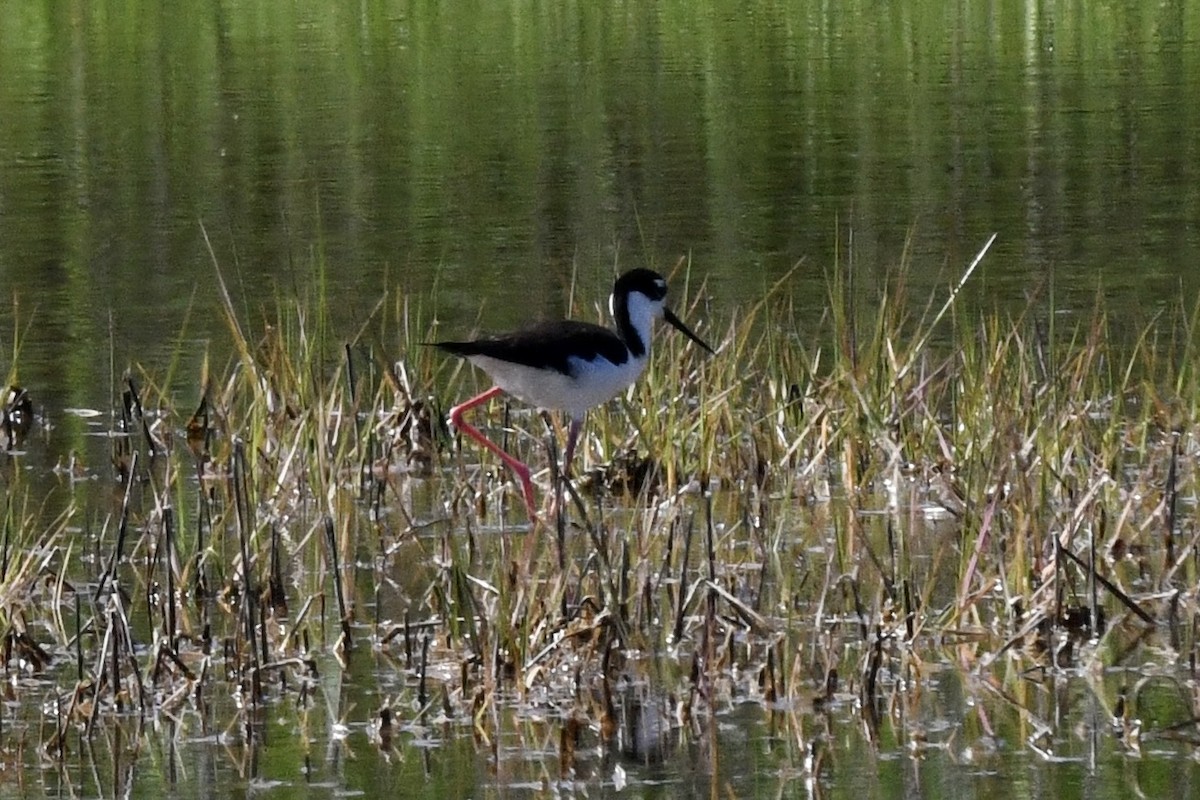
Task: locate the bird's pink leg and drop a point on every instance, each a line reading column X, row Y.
column 572, row 437
column 522, row 471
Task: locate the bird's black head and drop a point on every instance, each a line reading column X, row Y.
column 643, row 281
column 638, row 298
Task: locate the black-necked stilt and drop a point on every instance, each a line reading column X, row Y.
column 568, row 365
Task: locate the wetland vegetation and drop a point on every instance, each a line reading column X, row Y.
column 933, row 539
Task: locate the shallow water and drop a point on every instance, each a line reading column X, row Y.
column 946, row 720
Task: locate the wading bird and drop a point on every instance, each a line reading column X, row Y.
column 569, row 365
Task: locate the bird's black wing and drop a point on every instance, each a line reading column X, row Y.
column 549, row 345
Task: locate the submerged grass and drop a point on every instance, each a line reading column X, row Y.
column 818, row 519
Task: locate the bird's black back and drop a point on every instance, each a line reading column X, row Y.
column 549, row 345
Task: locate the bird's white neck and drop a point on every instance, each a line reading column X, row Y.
column 635, row 320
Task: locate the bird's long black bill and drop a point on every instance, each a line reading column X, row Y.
column 679, row 326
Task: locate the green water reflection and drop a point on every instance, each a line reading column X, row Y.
column 495, row 149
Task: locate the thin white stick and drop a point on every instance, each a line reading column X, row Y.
column 924, row 340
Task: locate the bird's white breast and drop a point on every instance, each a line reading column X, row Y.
column 590, row 384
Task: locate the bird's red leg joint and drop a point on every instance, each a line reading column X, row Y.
column 518, row 467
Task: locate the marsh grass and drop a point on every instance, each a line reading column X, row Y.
column 808, row 522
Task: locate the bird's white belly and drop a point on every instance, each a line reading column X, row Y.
column 593, row 383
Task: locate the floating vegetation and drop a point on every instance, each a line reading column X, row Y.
column 846, row 526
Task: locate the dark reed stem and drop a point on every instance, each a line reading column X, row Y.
column 339, row 591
